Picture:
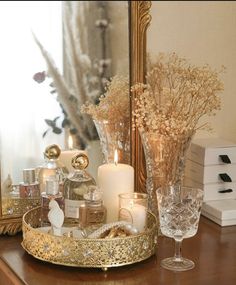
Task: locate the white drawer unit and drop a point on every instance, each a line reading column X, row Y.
column 212, row 151
column 211, row 166
column 222, row 212
column 214, row 191
column 210, row 173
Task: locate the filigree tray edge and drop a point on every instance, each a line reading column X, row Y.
column 113, row 252
column 87, row 266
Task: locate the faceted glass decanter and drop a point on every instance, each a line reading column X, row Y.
column 76, row 185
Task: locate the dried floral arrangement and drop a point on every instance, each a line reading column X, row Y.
column 168, row 109
column 113, row 105
column 176, row 96
column 112, row 119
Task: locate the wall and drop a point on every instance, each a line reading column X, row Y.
column 203, row 32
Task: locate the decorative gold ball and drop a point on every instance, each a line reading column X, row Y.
column 80, row 161
column 52, row 151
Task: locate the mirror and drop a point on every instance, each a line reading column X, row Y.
column 128, row 20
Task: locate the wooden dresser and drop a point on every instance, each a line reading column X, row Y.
column 213, row 249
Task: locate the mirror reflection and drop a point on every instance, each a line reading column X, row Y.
column 60, row 55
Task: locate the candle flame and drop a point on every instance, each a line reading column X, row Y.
column 70, row 142
column 116, row 157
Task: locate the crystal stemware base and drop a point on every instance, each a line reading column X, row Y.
column 179, row 212
column 182, row 264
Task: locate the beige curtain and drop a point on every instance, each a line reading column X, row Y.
column 86, row 55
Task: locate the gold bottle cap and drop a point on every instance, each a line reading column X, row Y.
column 52, row 151
column 80, row 161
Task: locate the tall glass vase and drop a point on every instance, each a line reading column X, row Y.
column 165, row 161
column 114, row 136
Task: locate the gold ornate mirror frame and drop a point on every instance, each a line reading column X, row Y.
column 139, row 20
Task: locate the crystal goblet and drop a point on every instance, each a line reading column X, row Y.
column 179, row 213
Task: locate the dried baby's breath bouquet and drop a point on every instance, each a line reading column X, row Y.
column 167, row 113
column 112, row 119
column 113, row 105
column 176, row 96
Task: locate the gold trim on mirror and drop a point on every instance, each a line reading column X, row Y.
column 10, row 226
column 12, row 206
column 12, row 210
column 140, row 20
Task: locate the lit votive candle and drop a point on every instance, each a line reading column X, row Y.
column 133, row 209
column 114, row 179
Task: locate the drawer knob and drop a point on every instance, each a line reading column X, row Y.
column 225, row 158
column 225, row 177
column 225, row 191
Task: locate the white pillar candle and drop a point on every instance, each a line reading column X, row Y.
column 114, row 179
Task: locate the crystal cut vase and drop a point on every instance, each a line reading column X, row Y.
column 114, row 136
column 165, row 161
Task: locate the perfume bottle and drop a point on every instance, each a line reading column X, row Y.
column 52, row 192
column 92, row 212
column 29, row 188
column 52, row 167
column 75, row 186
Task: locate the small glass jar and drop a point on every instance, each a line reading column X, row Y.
column 29, row 188
column 92, row 212
column 133, row 209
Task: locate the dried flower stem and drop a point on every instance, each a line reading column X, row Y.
column 64, row 92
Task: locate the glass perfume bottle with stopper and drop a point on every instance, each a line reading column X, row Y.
column 29, row 188
column 92, row 212
column 75, row 186
column 52, row 192
column 52, row 167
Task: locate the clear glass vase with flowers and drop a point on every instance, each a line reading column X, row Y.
column 168, row 112
column 111, row 117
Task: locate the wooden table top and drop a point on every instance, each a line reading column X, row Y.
column 213, row 250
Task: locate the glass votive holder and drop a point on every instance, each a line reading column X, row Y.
column 133, row 209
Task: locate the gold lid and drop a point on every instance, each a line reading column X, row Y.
column 52, row 151
column 80, row 161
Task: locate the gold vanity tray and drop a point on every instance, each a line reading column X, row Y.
column 82, row 252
